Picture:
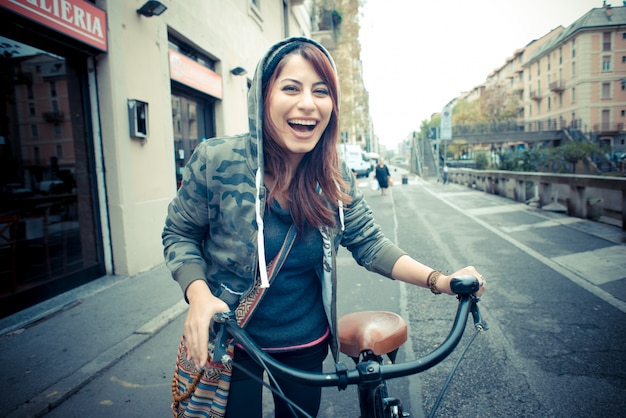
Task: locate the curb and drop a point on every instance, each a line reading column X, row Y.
column 68, row 386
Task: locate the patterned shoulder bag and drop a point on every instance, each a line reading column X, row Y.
column 205, row 393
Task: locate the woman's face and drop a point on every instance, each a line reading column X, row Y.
column 299, row 106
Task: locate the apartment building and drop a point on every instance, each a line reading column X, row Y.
column 571, row 78
column 103, row 103
column 578, row 79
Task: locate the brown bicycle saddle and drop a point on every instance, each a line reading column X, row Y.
column 380, row 332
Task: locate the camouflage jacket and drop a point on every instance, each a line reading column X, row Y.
column 212, row 226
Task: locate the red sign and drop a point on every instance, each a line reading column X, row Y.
column 75, row 18
column 187, row 71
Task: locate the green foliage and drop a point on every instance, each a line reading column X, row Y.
column 467, row 112
column 573, row 151
column 522, row 160
column 481, row 159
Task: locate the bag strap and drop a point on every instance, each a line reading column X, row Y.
column 249, row 303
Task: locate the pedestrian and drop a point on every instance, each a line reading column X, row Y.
column 242, row 195
column 445, row 174
column 383, row 176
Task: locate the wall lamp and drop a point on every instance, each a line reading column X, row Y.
column 238, row 71
column 152, row 8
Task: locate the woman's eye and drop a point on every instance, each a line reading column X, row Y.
column 321, row 92
column 290, row 89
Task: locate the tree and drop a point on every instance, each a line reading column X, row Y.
column 573, row 151
column 467, row 112
column 498, row 104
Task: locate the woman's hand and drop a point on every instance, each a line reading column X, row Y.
column 412, row 271
column 202, row 307
column 443, row 283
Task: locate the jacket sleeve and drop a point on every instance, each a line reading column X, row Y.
column 187, row 224
column 363, row 237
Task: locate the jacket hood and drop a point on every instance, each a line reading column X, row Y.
column 262, row 74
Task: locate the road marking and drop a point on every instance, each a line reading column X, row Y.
column 490, row 210
column 600, row 266
column 544, row 224
column 575, row 277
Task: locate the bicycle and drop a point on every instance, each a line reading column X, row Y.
column 365, row 337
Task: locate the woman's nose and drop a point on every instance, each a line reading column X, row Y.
column 306, row 101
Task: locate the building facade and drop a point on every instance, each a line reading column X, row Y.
column 102, row 106
column 569, row 83
column 577, row 80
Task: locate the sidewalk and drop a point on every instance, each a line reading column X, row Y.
column 49, row 351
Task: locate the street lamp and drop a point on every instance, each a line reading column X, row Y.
column 152, row 8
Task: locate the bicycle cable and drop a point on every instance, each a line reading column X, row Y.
column 449, row 379
column 275, row 390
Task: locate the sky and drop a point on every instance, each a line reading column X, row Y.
column 419, row 54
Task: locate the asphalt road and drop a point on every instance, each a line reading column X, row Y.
column 554, row 304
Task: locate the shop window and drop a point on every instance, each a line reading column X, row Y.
column 46, row 172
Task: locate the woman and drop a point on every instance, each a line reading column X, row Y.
column 382, row 176
column 239, row 197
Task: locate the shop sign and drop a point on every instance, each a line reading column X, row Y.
column 77, row 19
column 190, row 73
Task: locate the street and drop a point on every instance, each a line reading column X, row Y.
column 555, row 306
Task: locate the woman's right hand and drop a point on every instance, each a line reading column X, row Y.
column 202, row 307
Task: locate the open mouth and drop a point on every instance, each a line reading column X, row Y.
column 302, row 125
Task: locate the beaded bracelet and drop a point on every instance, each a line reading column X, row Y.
column 432, row 281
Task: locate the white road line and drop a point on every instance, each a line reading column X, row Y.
column 575, row 277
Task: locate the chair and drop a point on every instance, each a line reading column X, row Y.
column 8, row 246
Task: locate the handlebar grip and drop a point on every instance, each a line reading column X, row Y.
column 465, row 284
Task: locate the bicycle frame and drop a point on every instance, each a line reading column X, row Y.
column 369, row 375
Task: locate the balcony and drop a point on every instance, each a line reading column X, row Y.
column 557, row 86
column 608, row 128
column 535, row 95
column 325, row 27
column 53, row 117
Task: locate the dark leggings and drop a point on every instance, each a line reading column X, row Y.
column 245, row 395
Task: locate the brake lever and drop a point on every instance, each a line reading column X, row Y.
column 220, row 354
column 479, row 322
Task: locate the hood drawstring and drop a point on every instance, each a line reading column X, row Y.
column 260, row 236
column 340, row 204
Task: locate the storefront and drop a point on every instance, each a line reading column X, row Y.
column 195, row 88
column 50, row 238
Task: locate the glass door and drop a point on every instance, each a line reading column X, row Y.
column 48, row 239
column 193, row 123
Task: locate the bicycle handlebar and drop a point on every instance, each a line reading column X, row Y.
column 465, row 286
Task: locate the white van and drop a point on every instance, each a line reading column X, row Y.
column 355, row 159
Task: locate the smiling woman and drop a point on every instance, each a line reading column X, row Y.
column 255, row 229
